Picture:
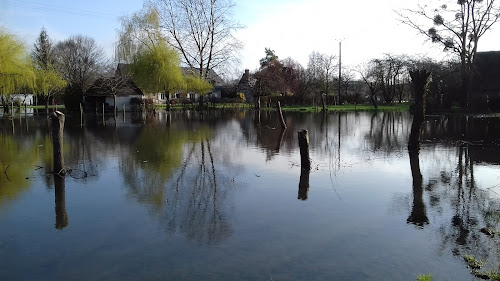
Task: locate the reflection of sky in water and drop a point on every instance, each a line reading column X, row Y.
column 145, row 215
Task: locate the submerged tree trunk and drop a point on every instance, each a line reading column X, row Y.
column 420, row 81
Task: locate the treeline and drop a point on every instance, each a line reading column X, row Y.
column 384, row 80
column 67, row 67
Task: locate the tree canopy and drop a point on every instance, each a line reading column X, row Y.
column 157, row 69
column 16, row 71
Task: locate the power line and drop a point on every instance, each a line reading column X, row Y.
column 60, row 9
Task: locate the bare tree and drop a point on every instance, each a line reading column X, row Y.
column 457, row 26
column 202, row 31
column 80, row 60
column 320, row 72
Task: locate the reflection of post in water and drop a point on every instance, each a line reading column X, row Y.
column 280, row 140
column 305, row 164
column 303, row 184
column 418, row 214
column 60, row 201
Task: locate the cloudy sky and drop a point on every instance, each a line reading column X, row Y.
column 292, row 28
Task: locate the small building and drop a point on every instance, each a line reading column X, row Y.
column 108, row 90
column 485, row 87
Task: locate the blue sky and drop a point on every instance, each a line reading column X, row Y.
column 293, row 28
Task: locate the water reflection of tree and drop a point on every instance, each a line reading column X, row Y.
column 180, row 174
column 460, row 208
column 418, row 215
column 388, row 131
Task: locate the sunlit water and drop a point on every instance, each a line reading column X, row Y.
column 216, row 196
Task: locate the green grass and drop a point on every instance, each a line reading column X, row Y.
column 349, row 107
column 424, row 277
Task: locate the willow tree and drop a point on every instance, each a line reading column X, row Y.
column 48, row 83
column 16, row 71
column 457, row 26
column 157, row 70
column 154, row 64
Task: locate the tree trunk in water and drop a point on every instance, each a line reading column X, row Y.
column 57, row 123
column 278, row 108
column 303, row 137
column 420, row 81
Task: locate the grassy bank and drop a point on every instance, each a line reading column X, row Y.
column 349, row 107
column 345, row 107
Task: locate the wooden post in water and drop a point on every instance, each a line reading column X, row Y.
column 305, row 161
column 278, row 107
column 57, row 123
column 103, row 119
column 420, row 80
column 123, row 113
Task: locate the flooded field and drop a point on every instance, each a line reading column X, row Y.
column 216, row 196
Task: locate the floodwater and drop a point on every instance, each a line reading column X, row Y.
column 220, row 196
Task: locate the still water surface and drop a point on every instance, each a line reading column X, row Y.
column 216, row 196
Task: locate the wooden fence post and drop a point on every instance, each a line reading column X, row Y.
column 57, row 122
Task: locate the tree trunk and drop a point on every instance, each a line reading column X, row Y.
column 420, row 81
column 47, row 106
column 303, row 137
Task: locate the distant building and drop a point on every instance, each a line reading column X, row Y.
column 212, row 78
column 485, row 87
column 247, row 85
column 104, row 90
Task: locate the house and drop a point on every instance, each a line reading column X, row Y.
column 212, row 77
column 485, row 87
column 246, row 86
column 108, row 90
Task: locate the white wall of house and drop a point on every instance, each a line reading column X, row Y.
column 26, row 99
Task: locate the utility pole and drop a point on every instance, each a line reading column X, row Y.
column 340, row 67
